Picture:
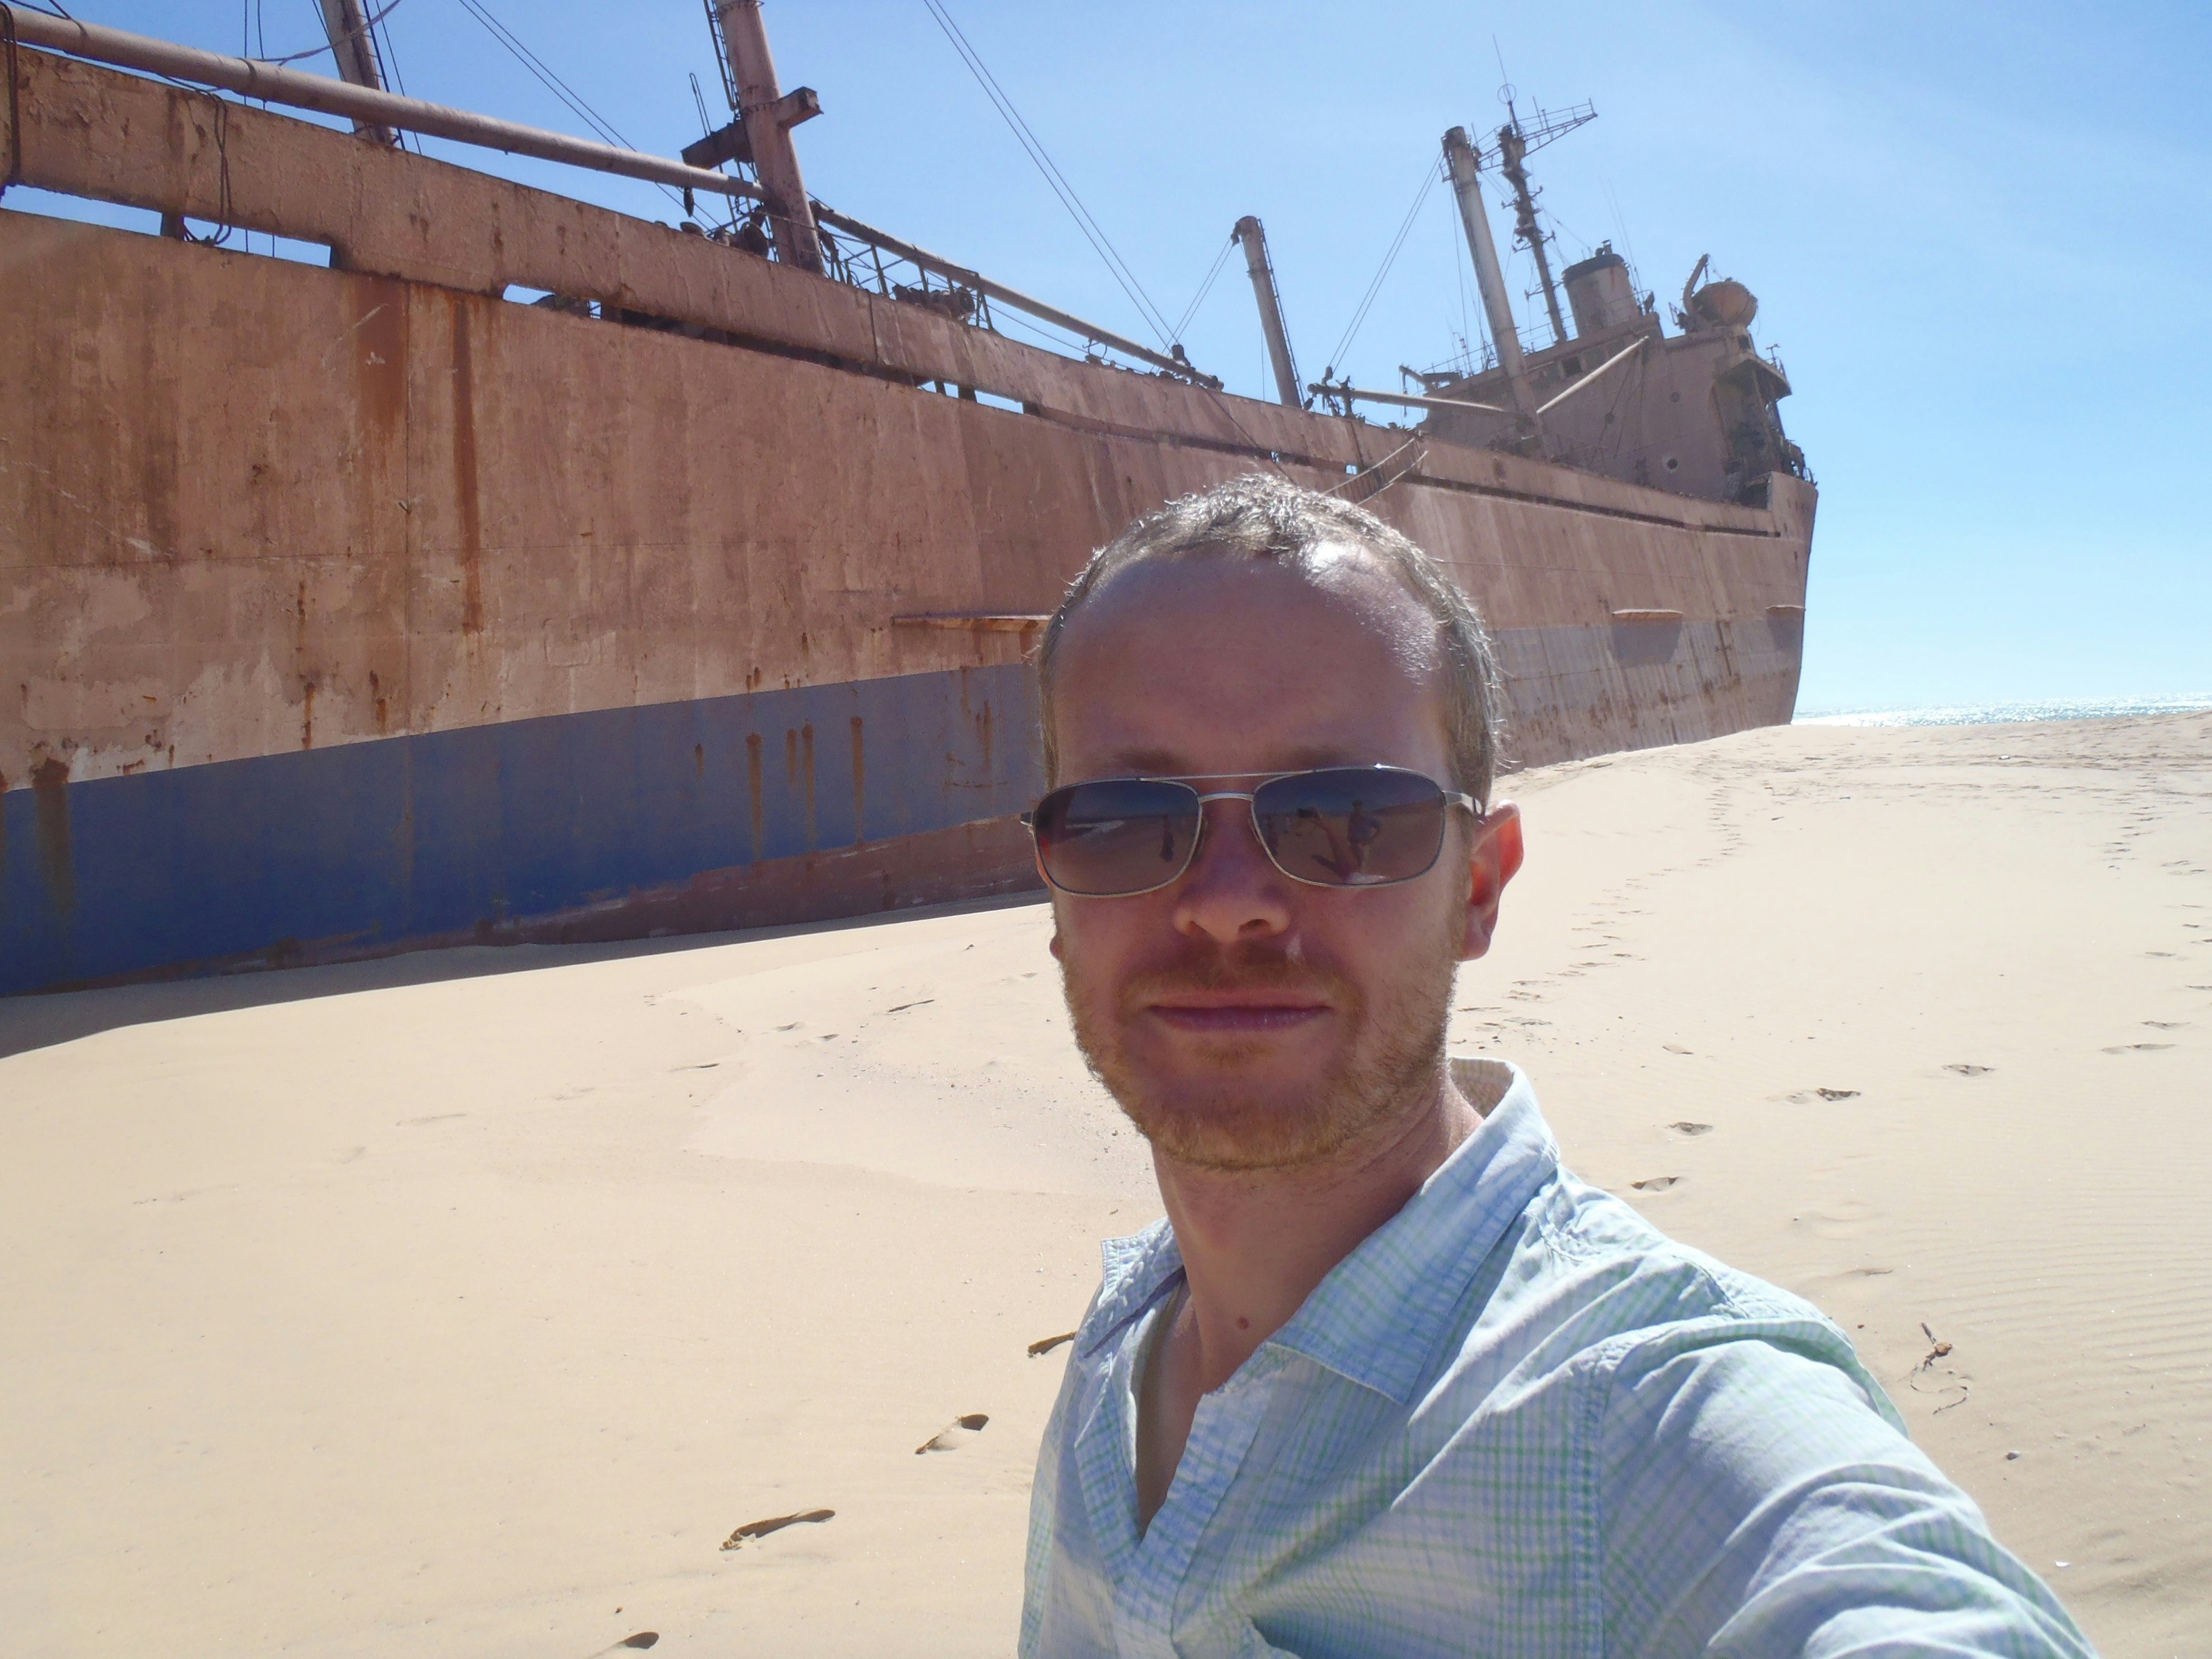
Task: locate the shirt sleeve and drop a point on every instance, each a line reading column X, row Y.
column 1757, row 1500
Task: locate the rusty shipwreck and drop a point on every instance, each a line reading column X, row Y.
column 355, row 607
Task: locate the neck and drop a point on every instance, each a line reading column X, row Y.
column 1255, row 1243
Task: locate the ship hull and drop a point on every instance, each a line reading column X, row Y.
column 350, row 610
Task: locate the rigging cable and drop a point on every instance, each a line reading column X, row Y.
column 1636, row 376
column 1585, row 243
column 552, row 81
column 538, row 66
column 1093, row 232
column 293, row 57
column 1205, row 287
column 1430, row 173
column 707, row 127
column 381, row 38
column 1065, row 342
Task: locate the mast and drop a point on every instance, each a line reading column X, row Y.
column 1254, row 240
column 354, row 48
column 1512, row 151
column 1467, row 184
column 769, row 118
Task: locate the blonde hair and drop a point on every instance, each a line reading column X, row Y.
column 1257, row 516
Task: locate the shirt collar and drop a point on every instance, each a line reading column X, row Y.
column 1377, row 1317
column 1137, row 1269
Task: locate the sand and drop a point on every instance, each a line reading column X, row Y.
column 467, row 1302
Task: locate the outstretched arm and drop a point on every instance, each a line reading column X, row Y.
column 1760, row 1503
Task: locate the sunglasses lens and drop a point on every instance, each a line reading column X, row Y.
column 1118, row 835
column 1351, row 826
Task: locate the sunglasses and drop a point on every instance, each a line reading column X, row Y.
column 1338, row 826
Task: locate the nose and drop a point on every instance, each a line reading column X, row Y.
column 1232, row 890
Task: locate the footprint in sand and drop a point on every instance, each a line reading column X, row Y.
column 1964, row 1070
column 753, row 1529
column 2166, row 1024
column 1686, row 1127
column 2137, row 1048
column 1655, row 1183
column 955, row 1434
column 1837, row 1094
column 1675, row 1049
column 644, row 1638
column 1046, row 1344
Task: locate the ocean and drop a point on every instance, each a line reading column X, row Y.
column 2005, row 713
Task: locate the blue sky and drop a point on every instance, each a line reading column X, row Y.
column 1978, row 234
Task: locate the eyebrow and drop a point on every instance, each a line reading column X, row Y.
column 1160, row 763
column 1138, row 763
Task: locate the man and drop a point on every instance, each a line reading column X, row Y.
column 1387, row 1379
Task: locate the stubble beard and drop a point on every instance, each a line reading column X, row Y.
column 1217, row 1117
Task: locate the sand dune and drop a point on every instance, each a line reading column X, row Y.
column 492, row 1302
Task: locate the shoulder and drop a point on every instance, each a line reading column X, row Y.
column 1631, row 1297
column 1751, row 1485
column 1580, row 1323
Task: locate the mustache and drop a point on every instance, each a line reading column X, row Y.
column 1243, row 968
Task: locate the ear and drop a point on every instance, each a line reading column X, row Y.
column 1494, row 860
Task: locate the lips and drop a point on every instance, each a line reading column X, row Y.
column 1233, row 1012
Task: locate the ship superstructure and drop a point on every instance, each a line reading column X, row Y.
column 1694, row 413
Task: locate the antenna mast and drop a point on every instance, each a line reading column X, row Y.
column 1515, row 143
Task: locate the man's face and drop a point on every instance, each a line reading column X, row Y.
column 1242, row 1019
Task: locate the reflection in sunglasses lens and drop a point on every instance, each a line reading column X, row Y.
column 1351, row 826
column 1121, row 836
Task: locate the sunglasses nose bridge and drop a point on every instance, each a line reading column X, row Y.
column 1227, row 821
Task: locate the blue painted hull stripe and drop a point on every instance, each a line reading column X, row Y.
column 377, row 843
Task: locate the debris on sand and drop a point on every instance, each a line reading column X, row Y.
column 753, row 1529
column 954, row 1434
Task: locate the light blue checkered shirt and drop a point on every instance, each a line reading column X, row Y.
column 1515, row 1421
